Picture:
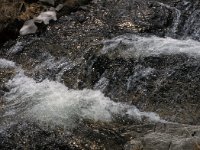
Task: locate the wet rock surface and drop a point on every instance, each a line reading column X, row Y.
column 71, row 51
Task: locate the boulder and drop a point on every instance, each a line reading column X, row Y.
column 45, row 17
column 29, row 27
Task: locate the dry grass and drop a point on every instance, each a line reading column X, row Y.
column 17, row 9
column 31, row 11
column 9, row 10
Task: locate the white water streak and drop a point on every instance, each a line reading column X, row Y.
column 6, row 63
column 52, row 102
column 176, row 20
column 134, row 46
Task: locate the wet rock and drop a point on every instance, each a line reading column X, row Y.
column 151, row 16
column 156, row 141
column 133, row 145
column 71, row 51
column 5, row 75
column 51, row 2
column 42, row 138
column 160, row 141
column 29, row 135
column 167, row 136
column 185, row 144
column 9, row 30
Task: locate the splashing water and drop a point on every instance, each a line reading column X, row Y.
column 6, row 63
column 52, row 102
column 134, row 46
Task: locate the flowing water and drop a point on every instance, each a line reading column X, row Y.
column 130, row 46
column 51, row 102
column 129, row 79
column 176, row 20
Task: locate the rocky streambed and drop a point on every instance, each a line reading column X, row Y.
column 110, row 75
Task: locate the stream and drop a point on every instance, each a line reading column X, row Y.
column 101, row 84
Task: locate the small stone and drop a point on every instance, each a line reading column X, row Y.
column 29, row 27
column 46, row 17
column 133, row 145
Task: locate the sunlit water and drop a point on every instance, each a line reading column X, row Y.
column 4, row 64
column 134, row 46
column 51, row 102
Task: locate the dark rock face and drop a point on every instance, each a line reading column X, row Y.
column 71, row 51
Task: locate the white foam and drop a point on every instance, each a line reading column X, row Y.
column 130, row 46
column 6, row 63
column 52, row 102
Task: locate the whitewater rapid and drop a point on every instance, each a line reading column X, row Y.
column 51, row 102
column 134, row 46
